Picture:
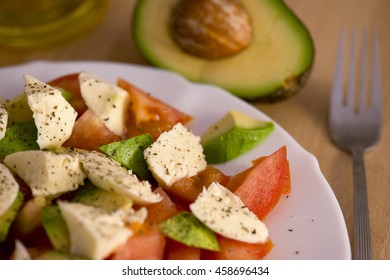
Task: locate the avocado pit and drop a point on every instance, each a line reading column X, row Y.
column 211, row 29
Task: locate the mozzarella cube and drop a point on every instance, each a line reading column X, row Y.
column 108, row 174
column 48, row 174
column 20, row 252
column 224, row 213
column 176, row 154
column 54, row 117
column 9, row 189
column 107, row 101
column 3, row 120
column 94, row 233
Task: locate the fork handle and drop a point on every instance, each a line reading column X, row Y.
column 362, row 239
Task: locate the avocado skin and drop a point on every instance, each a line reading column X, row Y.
column 289, row 86
column 285, row 92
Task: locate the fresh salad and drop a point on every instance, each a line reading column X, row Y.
column 95, row 170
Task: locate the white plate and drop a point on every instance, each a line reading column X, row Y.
column 308, row 224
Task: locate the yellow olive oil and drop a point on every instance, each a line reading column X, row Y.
column 38, row 23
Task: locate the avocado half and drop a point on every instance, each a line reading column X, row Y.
column 273, row 67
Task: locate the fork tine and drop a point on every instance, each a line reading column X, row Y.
column 357, row 128
column 376, row 79
column 363, row 72
column 350, row 102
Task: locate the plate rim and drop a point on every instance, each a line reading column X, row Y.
column 346, row 251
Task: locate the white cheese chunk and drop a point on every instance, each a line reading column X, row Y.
column 108, row 174
column 107, row 101
column 133, row 216
column 94, row 233
column 9, row 189
column 3, row 120
column 224, row 213
column 20, row 252
column 176, row 154
column 54, row 117
column 47, row 173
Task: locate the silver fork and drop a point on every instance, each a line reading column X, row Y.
column 355, row 122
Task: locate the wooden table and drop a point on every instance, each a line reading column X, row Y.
column 304, row 116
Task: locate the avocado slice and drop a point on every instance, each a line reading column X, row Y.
column 187, row 229
column 272, row 67
column 129, row 153
column 19, row 137
column 9, row 216
column 65, row 93
column 18, row 109
column 55, row 228
column 91, row 195
column 233, row 135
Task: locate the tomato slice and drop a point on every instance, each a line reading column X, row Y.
column 237, row 250
column 158, row 212
column 212, row 174
column 90, row 133
column 148, row 114
column 147, row 243
column 71, row 84
column 261, row 186
column 187, row 189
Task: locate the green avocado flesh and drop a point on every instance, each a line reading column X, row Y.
column 129, row 153
column 18, row 109
column 19, row 137
column 187, row 229
column 55, row 228
column 94, row 196
column 233, row 135
column 234, row 143
column 273, row 67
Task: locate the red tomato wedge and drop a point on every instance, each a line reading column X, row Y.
column 160, row 211
column 147, row 243
column 237, row 250
column 90, row 133
column 148, row 114
column 261, row 186
column 71, row 84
